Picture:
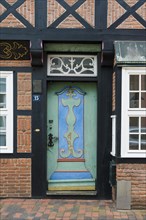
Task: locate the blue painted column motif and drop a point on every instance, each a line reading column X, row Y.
column 71, row 135
column 71, row 101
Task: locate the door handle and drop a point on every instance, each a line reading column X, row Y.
column 51, row 139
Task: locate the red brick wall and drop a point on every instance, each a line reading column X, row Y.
column 86, row 11
column 15, row 177
column 115, row 11
column 23, row 134
column 26, row 9
column 24, row 93
column 24, row 102
column 14, row 63
column 136, row 173
column 54, row 11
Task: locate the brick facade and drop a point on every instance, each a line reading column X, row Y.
column 14, row 63
column 15, row 177
column 24, row 101
column 70, row 20
column 116, row 11
column 86, row 11
column 130, row 23
column 23, row 134
column 54, row 10
column 136, row 173
column 26, row 11
column 141, row 11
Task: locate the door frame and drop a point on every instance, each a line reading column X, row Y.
column 84, row 79
column 39, row 116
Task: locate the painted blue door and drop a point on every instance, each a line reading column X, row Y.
column 72, row 136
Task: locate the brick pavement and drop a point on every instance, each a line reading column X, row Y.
column 65, row 209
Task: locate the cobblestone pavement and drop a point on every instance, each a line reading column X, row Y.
column 65, row 209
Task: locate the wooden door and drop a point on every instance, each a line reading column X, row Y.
column 72, row 136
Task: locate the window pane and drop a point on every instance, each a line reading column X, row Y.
column 134, row 100
column 143, row 100
column 2, row 130
column 143, row 142
column 143, row 82
column 2, row 101
column 134, row 125
column 133, row 142
column 143, row 124
column 2, row 122
column 2, row 85
column 134, row 82
column 2, row 138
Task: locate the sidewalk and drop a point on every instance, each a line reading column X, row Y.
column 63, row 209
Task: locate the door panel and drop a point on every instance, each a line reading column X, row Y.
column 72, row 136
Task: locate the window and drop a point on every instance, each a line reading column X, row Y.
column 6, row 112
column 133, row 126
column 72, row 65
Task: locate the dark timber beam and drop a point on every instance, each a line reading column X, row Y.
column 107, row 54
column 36, row 51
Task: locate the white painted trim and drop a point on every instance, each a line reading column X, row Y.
column 113, row 152
column 8, row 111
column 126, row 112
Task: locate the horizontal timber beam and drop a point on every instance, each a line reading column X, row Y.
column 74, row 35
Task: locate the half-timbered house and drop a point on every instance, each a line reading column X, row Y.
column 73, row 99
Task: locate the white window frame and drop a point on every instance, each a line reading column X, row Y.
column 113, row 152
column 8, row 112
column 127, row 112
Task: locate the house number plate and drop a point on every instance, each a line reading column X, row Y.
column 36, row 98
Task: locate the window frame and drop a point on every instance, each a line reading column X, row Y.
column 8, row 111
column 113, row 151
column 127, row 112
